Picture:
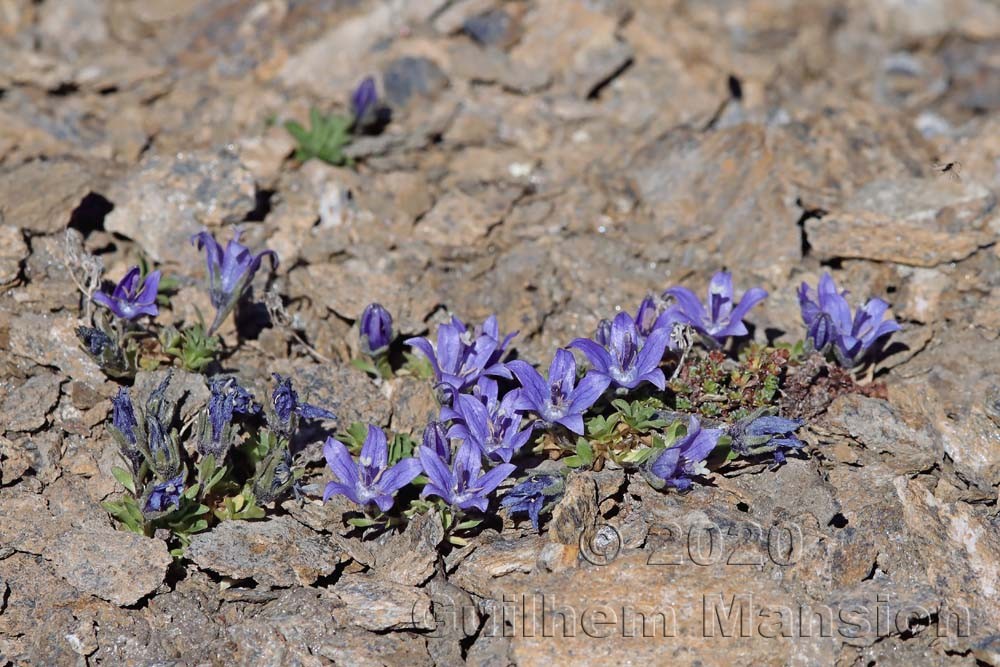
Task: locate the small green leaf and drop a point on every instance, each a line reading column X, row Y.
column 124, row 478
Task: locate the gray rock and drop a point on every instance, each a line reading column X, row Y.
column 169, row 198
column 878, row 426
column 276, row 552
column 375, row 604
column 114, row 565
column 26, row 407
column 64, row 183
column 955, row 391
column 13, row 251
column 490, row 27
column 920, row 222
column 409, row 77
column 50, row 340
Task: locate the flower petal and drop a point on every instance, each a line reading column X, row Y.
column 598, row 357
column 375, row 450
column 399, row 475
column 341, row 462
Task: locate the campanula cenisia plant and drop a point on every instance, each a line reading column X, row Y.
column 829, row 324
column 230, row 272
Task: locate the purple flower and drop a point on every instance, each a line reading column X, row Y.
column 123, row 415
column 462, row 484
column 678, row 463
column 376, row 330
column 828, row 320
column 651, row 316
column 286, row 404
column 558, row 399
column 530, row 496
column 165, row 494
column 626, row 360
column 436, row 440
column 602, row 335
column 133, row 296
column 721, row 318
column 370, row 479
column 363, row 99
column 761, row 433
column 461, row 357
column 229, row 272
column 227, row 399
column 492, row 425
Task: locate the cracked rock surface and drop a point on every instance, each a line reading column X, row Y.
column 549, row 161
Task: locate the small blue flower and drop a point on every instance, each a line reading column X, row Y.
column 827, row 317
column 462, row 484
column 370, row 479
column 461, row 357
column 227, row 399
column 123, row 415
column 133, row 297
column 626, row 360
column 761, row 433
column 492, row 425
column 532, row 495
column 436, row 439
column 376, row 330
column 230, row 271
column 685, row 458
column 723, row 317
column 558, row 399
column 165, row 494
column 285, row 401
column 363, row 100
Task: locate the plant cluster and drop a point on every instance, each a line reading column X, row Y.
column 501, row 418
column 503, row 423
column 329, row 134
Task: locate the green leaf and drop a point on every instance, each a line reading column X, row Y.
column 359, row 522
column 124, row 478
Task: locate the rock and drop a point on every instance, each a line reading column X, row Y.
column 921, row 222
column 307, row 628
column 457, row 219
column 875, row 424
column 409, row 77
column 65, row 184
column 36, row 612
column 167, row 199
column 114, row 565
column 15, row 460
column 578, row 43
column 346, row 391
column 976, row 19
column 276, row 552
column 704, row 192
column 953, row 390
column 451, row 19
column 26, row 407
column 497, row 556
column 50, row 340
column 409, row 558
column 494, row 27
column 368, row 275
column 414, row 403
column 377, row 605
column 329, row 65
column 14, row 251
